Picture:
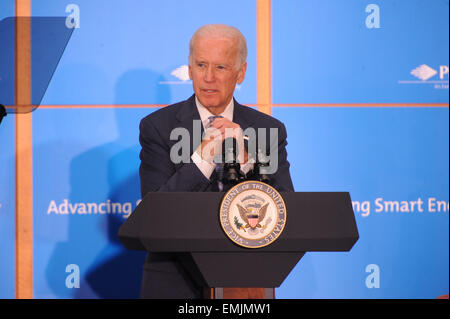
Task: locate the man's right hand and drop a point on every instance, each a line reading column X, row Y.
column 215, row 134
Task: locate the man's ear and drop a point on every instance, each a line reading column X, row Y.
column 190, row 71
column 241, row 75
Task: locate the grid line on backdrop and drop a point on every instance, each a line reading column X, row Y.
column 23, row 156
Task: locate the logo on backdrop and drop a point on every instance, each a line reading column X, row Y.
column 425, row 74
column 179, row 75
column 253, row 214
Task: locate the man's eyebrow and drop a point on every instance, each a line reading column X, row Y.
column 215, row 64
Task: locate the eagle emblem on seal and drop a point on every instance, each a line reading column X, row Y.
column 252, row 216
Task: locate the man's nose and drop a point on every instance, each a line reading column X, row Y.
column 209, row 74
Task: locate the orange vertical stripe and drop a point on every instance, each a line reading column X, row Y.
column 264, row 56
column 24, row 189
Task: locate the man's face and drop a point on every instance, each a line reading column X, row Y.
column 214, row 73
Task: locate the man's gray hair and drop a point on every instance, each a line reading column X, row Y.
column 221, row 31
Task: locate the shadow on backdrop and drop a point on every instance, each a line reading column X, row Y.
column 119, row 275
column 108, row 171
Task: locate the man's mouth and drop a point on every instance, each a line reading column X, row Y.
column 209, row 91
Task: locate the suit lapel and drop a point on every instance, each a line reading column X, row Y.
column 189, row 118
column 241, row 116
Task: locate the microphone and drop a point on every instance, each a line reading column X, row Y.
column 262, row 164
column 2, row 112
column 231, row 169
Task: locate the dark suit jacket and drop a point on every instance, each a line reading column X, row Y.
column 158, row 173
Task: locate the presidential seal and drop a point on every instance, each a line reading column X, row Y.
column 253, row 214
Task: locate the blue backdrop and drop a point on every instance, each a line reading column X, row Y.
column 394, row 161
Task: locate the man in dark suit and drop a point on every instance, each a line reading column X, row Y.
column 217, row 62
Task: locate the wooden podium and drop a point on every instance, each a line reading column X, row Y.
column 188, row 224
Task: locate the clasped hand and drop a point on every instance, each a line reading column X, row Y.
column 215, row 134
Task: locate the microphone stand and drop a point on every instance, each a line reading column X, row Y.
column 231, row 169
column 262, row 164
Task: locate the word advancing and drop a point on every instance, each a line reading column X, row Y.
column 431, row 205
column 226, row 308
column 108, row 207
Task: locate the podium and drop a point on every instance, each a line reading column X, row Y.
column 188, row 224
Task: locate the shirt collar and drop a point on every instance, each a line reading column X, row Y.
column 205, row 114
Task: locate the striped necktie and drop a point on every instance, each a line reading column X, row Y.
column 219, row 166
column 212, row 118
